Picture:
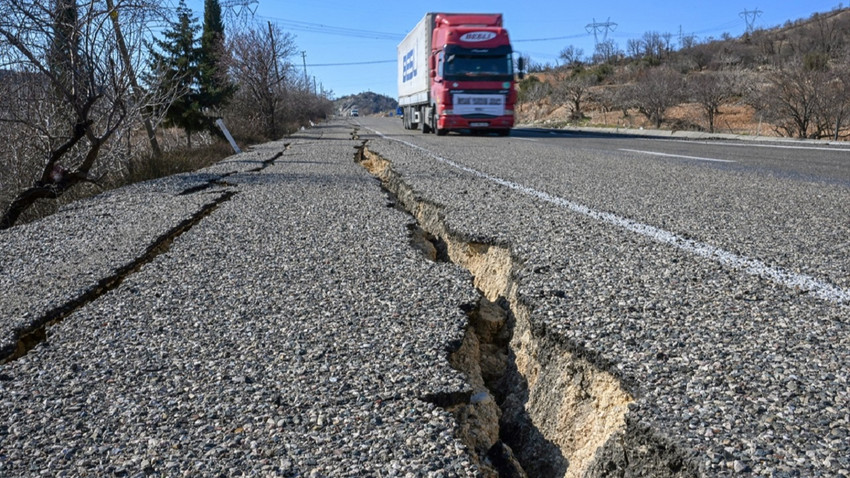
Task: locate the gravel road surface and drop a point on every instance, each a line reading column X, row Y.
column 268, row 316
column 289, row 331
column 716, row 292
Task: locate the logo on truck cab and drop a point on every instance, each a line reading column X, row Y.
column 477, row 36
column 409, row 70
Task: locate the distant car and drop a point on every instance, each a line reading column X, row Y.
column 354, row 112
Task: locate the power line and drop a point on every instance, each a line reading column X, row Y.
column 298, row 25
column 352, row 63
column 568, row 37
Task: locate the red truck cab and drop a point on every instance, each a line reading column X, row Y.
column 472, row 73
column 456, row 73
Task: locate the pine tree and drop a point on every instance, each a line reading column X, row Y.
column 176, row 66
column 215, row 87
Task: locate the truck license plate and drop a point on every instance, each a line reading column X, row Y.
column 479, row 124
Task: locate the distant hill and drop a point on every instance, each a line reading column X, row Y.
column 367, row 103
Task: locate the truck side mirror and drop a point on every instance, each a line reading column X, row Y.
column 521, row 67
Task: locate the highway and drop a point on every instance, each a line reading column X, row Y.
column 785, row 204
column 363, row 300
column 711, row 278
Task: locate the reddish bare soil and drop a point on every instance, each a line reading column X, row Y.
column 734, row 119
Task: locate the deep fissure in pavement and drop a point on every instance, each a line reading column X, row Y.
column 537, row 408
column 37, row 332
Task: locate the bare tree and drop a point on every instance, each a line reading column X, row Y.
column 656, row 91
column 711, row 90
column 832, row 108
column 575, row 89
column 790, row 100
column 532, row 90
column 572, row 56
column 606, row 52
column 634, row 48
column 73, row 92
column 653, row 45
column 270, row 93
column 825, row 33
column 688, row 41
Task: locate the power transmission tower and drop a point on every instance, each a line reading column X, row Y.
column 749, row 17
column 603, row 27
column 236, row 8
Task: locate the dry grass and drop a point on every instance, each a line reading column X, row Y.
column 733, row 118
column 175, row 162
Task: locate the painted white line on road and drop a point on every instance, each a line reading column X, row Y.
column 526, row 139
column 760, row 145
column 792, row 280
column 666, row 155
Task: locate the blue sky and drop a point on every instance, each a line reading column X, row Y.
column 336, row 33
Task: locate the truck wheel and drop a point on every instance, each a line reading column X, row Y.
column 442, row 132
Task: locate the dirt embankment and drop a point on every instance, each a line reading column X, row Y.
column 733, row 119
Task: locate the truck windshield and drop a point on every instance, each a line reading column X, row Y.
column 458, row 66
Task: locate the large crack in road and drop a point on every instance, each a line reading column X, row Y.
column 538, row 408
column 36, row 331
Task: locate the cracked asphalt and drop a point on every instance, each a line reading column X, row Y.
column 293, row 331
column 741, row 372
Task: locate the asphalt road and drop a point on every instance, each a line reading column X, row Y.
column 786, row 204
column 712, row 277
column 268, row 316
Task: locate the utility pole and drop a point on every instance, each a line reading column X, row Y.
column 134, row 83
column 274, row 55
column 749, row 17
column 304, row 59
column 597, row 27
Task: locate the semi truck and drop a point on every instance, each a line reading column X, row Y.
column 456, row 73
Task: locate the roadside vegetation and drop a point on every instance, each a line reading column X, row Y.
column 791, row 81
column 91, row 98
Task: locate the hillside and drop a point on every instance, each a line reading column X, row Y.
column 368, row 103
column 790, row 80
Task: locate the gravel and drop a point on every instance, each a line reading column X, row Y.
column 743, row 375
column 289, row 329
column 292, row 331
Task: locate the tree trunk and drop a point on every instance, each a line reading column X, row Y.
column 137, row 91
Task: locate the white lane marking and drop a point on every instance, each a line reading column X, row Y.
column 818, row 288
column 757, row 145
column 666, row 155
column 525, row 139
